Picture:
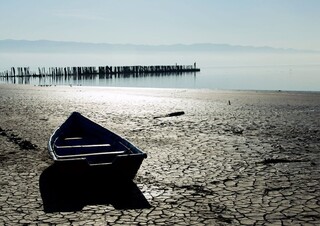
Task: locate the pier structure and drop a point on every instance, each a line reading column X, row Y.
column 101, row 70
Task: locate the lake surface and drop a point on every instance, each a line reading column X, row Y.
column 298, row 72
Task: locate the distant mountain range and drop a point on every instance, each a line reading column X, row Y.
column 45, row 46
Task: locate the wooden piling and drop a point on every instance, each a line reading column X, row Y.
column 107, row 71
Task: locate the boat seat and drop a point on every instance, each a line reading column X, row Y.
column 86, row 150
column 72, row 141
column 96, row 154
column 83, row 146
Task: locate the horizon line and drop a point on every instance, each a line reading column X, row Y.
column 167, row 45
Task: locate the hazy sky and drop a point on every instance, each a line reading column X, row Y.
column 276, row 23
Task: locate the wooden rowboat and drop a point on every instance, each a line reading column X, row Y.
column 80, row 141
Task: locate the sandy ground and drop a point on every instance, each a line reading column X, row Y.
column 256, row 161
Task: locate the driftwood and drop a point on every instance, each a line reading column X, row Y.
column 275, row 161
column 177, row 113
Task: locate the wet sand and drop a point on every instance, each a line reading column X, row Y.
column 255, row 161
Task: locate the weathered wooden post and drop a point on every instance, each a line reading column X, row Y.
column 13, row 71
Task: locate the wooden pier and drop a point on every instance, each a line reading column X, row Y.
column 101, row 70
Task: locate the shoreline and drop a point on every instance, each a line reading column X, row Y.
column 255, row 161
column 170, row 88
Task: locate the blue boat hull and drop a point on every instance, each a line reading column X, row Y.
column 79, row 144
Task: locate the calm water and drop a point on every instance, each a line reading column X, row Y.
column 218, row 71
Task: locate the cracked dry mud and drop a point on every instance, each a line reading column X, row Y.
column 255, row 161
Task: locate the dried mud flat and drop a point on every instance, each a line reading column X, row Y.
column 255, row 161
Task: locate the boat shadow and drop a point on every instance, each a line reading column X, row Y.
column 70, row 187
